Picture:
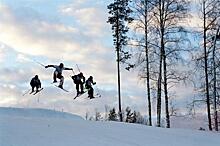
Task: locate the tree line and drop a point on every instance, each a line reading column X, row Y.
column 154, row 38
column 111, row 114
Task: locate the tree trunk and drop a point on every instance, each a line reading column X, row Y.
column 159, row 93
column 118, row 67
column 160, row 68
column 206, row 67
column 214, row 84
column 165, row 89
column 147, row 65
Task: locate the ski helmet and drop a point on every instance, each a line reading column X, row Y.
column 61, row 65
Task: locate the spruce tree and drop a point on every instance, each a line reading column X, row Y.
column 112, row 116
column 119, row 18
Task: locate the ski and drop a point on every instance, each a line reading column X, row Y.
column 26, row 92
column 31, row 92
column 93, row 98
column 79, row 95
column 38, row 91
column 61, row 88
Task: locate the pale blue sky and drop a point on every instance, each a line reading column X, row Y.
column 68, row 31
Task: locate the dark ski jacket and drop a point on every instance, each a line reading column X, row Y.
column 77, row 79
column 35, row 82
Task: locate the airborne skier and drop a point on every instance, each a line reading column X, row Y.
column 89, row 83
column 58, row 73
column 79, row 80
column 35, row 83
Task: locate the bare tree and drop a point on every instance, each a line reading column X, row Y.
column 160, row 20
column 209, row 15
column 166, row 20
column 141, row 20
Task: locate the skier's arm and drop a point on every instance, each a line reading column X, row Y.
column 66, row 68
column 31, row 82
column 39, row 84
column 49, row 66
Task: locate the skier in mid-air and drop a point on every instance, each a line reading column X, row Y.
column 88, row 85
column 79, row 80
column 58, row 73
column 35, row 83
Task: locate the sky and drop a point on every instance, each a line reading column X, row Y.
column 72, row 32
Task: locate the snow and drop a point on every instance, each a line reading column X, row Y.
column 40, row 127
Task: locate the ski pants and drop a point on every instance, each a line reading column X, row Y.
column 79, row 84
column 90, row 92
column 59, row 76
column 35, row 86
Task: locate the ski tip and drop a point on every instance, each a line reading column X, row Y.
column 61, row 88
column 38, row 91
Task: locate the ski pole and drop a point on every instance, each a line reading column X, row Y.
column 78, row 67
column 26, row 92
column 39, row 63
column 73, row 72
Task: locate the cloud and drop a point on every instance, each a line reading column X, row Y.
column 2, row 52
column 91, row 17
column 28, row 35
column 35, row 37
column 54, row 40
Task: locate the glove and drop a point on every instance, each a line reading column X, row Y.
column 94, row 83
column 46, row 66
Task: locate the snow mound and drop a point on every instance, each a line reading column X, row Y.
column 36, row 113
column 38, row 127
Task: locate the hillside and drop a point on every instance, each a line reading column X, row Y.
column 40, row 127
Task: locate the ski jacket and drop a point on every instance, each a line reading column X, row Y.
column 89, row 83
column 78, row 79
column 58, row 69
column 35, row 82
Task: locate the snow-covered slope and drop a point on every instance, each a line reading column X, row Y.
column 38, row 127
column 36, row 113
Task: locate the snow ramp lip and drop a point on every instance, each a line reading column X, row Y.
column 37, row 113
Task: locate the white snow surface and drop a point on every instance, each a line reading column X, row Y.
column 40, row 127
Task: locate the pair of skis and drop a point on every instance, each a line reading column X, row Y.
column 80, row 94
column 97, row 96
column 34, row 92
column 68, row 91
column 39, row 90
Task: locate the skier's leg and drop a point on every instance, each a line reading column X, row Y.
column 32, row 87
column 38, row 86
column 81, row 87
column 77, row 89
column 61, row 81
column 92, row 91
column 89, row 93
column 55, row 76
